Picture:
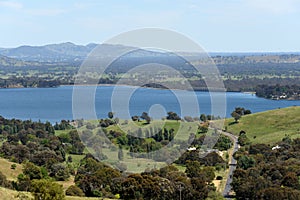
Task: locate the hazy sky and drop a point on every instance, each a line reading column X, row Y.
column 217, row 25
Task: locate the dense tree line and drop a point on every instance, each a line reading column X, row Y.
column 33, row 141
column 278, row 91
column 263, row 173
column 29, row 82
column 97, row 179
column 42, row 154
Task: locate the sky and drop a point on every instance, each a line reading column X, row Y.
column 216, row 25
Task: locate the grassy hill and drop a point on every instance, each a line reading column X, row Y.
column 5, row 168
column 12, row 174
column 268, row 127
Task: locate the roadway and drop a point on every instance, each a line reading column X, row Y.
column 232, row 164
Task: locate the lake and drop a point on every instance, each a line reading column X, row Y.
column 54, row 104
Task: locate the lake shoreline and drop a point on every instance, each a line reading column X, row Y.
column 54, row 104
column 157, row 88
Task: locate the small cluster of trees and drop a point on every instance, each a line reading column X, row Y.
column 205, row 118
column 239, row 112
column 243, row 139
column 72, row 142
column 144, row 116
column 173, row 116
column 63, row 125
column 222, row 143
column 156, row 139
column 211, row 159
column 36, row 180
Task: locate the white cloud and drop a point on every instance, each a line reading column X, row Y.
column 11, row 4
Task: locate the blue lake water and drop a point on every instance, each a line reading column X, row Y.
column 54, row 104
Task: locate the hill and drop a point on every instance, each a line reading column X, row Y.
column 49, row 53
column 268, row 127
column 12, row 174
column 7, row 62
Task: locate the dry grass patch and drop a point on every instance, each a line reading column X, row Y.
column 5, row 168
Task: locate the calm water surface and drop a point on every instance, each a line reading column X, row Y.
column 54, row 104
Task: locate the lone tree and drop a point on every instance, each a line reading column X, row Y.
column 146, row 117
column 173, row 116
column 110, row 115
column 135, row 118
column 236, row 116
column 239, row 112
column 203, row 117
column 242, row 111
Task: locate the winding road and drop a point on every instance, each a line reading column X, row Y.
column 232, row 164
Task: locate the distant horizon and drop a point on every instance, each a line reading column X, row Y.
column 217, row 26
column 209, row 52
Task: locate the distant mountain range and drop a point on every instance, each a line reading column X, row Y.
column 64, row 52
column 72, row 54
column 57, row 53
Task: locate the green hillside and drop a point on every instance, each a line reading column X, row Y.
column 268, row 127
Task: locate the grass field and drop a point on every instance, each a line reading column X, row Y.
column 5, row 168
column 185, row 127
column 75, row 158
column 59, row 132
column 7, row 194
column 268, row 127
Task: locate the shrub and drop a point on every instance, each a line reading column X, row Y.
column 60, row 172
column 47, row 190
column 73, row 190
column 70, row 159
column 13, row 166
